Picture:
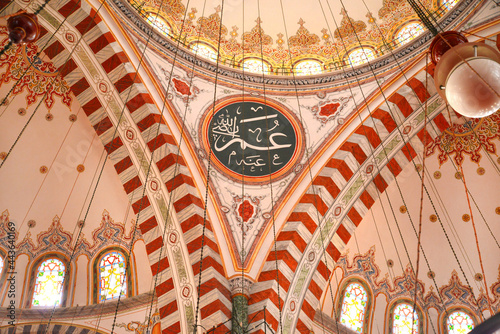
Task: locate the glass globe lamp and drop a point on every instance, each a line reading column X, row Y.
column 467, row 75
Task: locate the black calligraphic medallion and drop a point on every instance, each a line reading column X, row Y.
column 252, row 139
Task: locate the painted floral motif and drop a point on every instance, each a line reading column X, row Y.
column 328, row 110
column 354, row 307
column 348, row 27
column 40, row 79
column 181, row 87
column 211, row 27
column 256, row 37
column 245, row 210
column 48, row 284
column 467, row 139
column 405, row 321
column 303, row 38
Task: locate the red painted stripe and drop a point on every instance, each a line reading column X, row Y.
column 394, row 167
column 186, row 201
column 342, row 167
column 301, row 327
column 103, row 125
column 385, row 118
column 295, row 237
column 306, row 220
column 419, row 89
column 126, row 81
column 53, row 49
column 141, row 204
column 308, row 310
column 366, row 199
column 170, row 160
column 154, row 245
column 316, row 201
column 271, row 276
column 370, row 134
column 91, row 106
column 67, row 68
column 423, row 133
column 102, row 41
column 132, row 184
column 138, row 101
column 161, row 139
column 343, row 234
column 168, row 310
column 409, row 151
column 114, row 61
column 195, row 245
column 215, row 306
column 208, row 262
column 328, row 183
column 150, row 120
column 69, row 8
column 214, row 284
column 113, row 145
column 354, row 216
column 356, row 151
column 192, row 221
column 164, row 287
column 259, row 315
column 284, row 256
column 380, row 183
column 323, row 270
column 160, row 266
column 315, row 289
column 80, row 86
column 402, row 104
column 148, row 225
column 178, row 181
column 333, row 251
column 87, row 23
column 175, row 328
column 441, row 123
column 123, row 164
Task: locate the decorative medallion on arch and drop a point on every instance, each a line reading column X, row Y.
column 252, row 138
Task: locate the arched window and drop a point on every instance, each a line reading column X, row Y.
column 408, row 32
column 255, row 65
column 459, row 322
column 354, row 307
column 159, row 23
column 360, row 56
column 112, row 276
column 308, row 67
column 404, row 320
column 205, row 51
column 49, row 282
column 2, row 264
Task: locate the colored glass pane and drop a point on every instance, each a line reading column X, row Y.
column 49, row 283
column 205, row 51
column 361, row 56
column 354, row 307
column 459, row 322
column 1, row 265
column 159, row 23
column 255, row 66
column 404, row 321
column 308, row 67
column 112, row 276
column 449, row 4
column 408, row 32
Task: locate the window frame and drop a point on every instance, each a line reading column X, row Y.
column 369, row 302
column 298, row 62
column 420, row 313
column 347, row 56
column 270, row 69
column 33, row 273
column 96, row 273
column 445, row 315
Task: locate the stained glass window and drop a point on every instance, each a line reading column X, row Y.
column 255, row 66
column 205, row 51
column 159, row 23
column 404, row 321
column 308, row 67
column 459, row 322
column 354, row 307
column 49, row 283
column 360, row 56
column 1, row 264
column 112, row 276
column 408, row 32
column 449, row 4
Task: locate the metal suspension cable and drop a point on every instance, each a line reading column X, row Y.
column 208, row 172
column 406, row 145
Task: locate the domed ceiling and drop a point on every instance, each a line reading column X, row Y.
column 283, row 34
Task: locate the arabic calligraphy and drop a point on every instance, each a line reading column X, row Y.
column 250, row 138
